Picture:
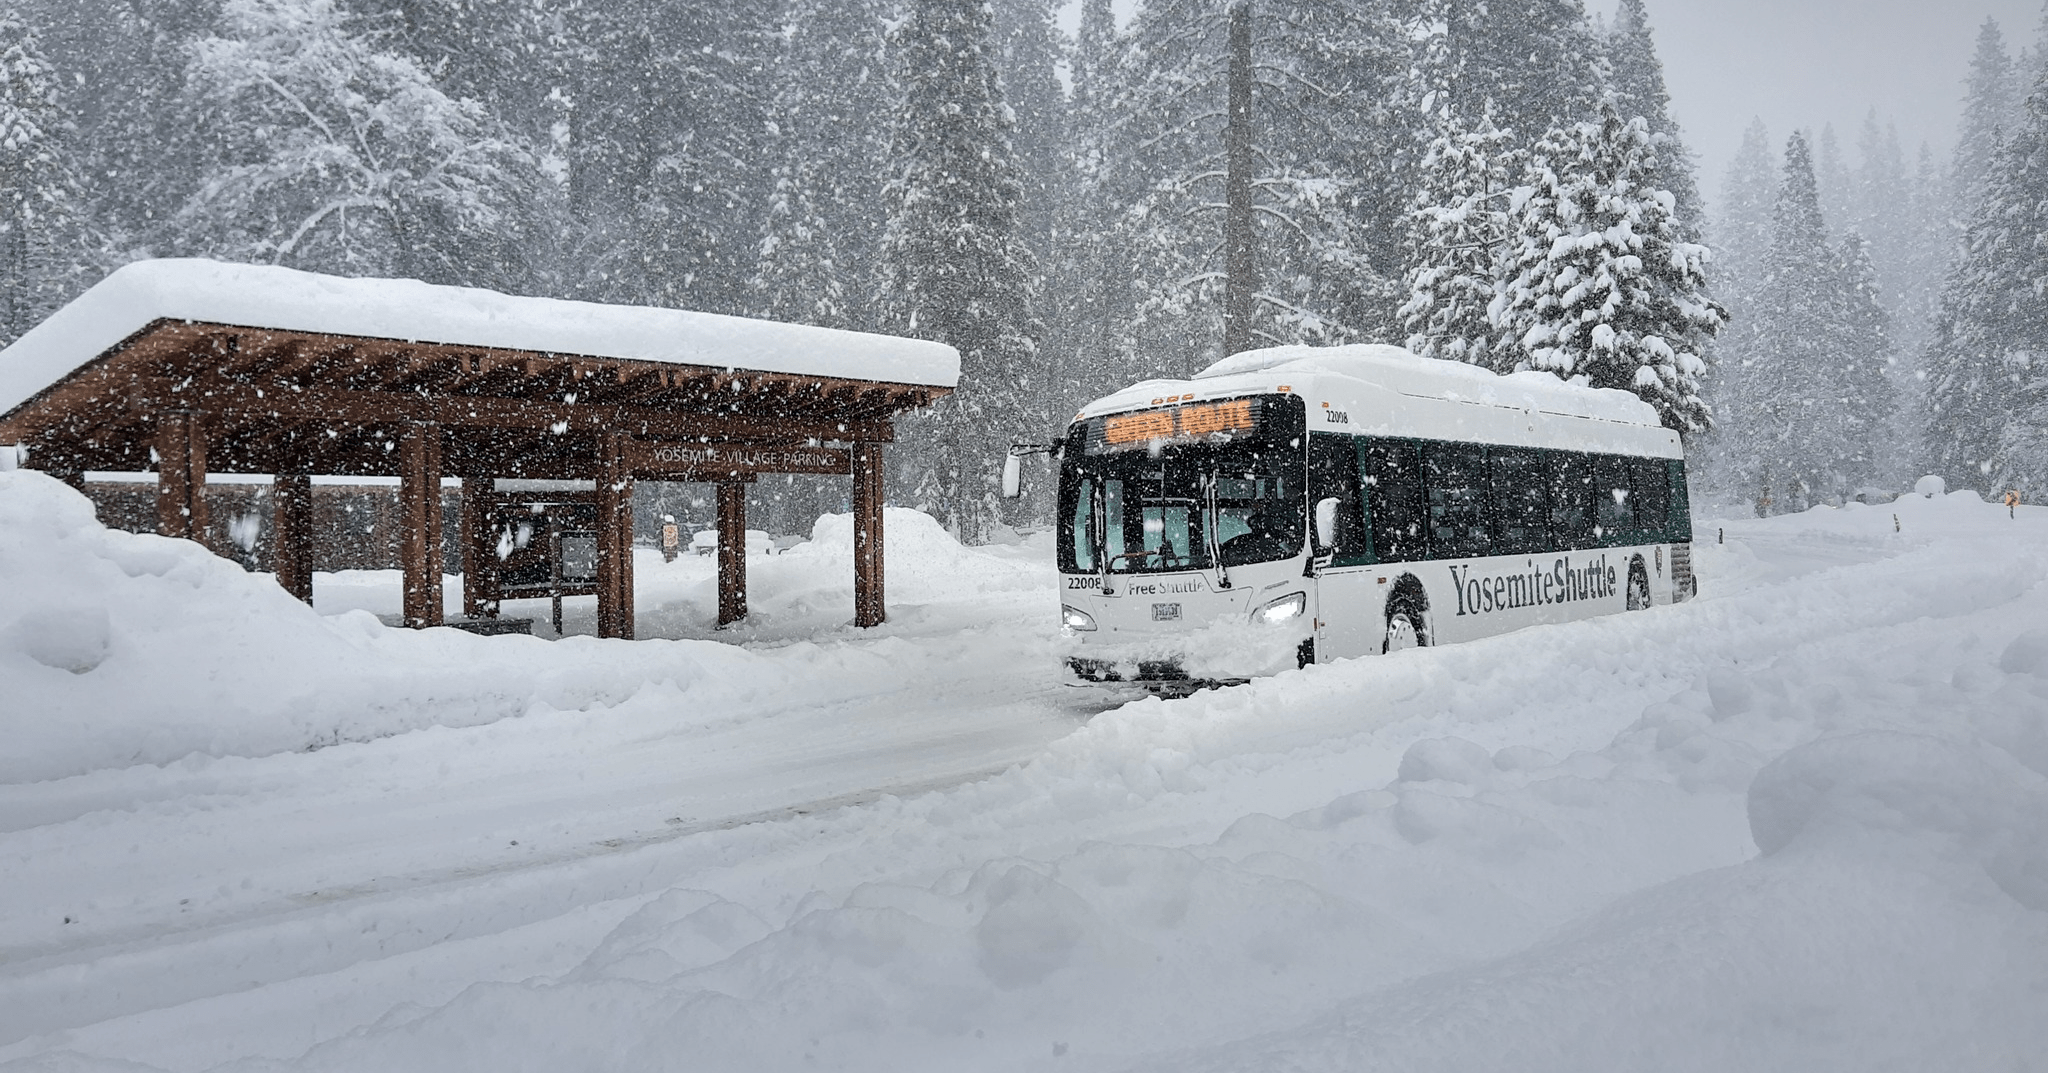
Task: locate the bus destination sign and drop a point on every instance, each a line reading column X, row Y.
column 1172, row 425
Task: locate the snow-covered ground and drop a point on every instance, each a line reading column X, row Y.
column 1799, row 823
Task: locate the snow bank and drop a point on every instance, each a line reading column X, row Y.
column 1812, row 848
column 921, row 560
column 807, row 591
column 118, row 648
column 1796, row 824
column 268, row 296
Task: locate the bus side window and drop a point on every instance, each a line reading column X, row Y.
column 1455, row 475
column 1333, row 473
column 1521, row 501
column 1392, row 476
column 1080, row 556
column 1614, row 511
column 1571, row 499
column 1123, row 530
column 1681, row 503
column 1653, row 501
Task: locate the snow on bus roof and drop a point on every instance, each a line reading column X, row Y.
column 284, row 299
column 1397, row 369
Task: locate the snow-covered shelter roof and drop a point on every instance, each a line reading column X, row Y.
column 268, row 297
column 194, row 368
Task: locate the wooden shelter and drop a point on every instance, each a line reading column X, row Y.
column 189, row 367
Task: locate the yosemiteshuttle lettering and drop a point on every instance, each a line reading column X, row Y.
column 1562, row 583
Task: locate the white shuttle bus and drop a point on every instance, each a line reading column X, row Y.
column 1299, row 504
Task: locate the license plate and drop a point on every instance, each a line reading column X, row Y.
column 1166, row 612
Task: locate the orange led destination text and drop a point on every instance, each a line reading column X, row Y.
column 1193, row 421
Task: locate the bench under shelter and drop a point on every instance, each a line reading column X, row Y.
column 190, row 367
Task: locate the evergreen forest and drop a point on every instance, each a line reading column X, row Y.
column 1498, row 183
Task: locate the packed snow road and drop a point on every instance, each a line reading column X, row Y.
column 1544, row 844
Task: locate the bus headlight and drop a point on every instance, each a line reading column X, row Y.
column 1281, row 610
column 1074, row 618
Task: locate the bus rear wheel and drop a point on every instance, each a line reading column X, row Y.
column 1406, row 625
column 1638, row 587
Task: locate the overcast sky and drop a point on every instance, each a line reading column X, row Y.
column 1805, row 63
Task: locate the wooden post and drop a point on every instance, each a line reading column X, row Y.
column 419, row 536
column 614, row 538
column 868, row 609
column 1240, row 255
column 292, row 533
column 181, row 476
column 732, row 552
column 479, row 549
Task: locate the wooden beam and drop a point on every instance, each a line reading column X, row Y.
column 181, row 475
column 614, row 539
column 176, row 351
column 292, row 533
column 732, row 552
column 419, row 536
column 242, row 403
column 868, row 607
column 479, row 549
column 711, row 462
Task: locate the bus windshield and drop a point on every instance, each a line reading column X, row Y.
column 1183, row 507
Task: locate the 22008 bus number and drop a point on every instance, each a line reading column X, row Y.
column 1084, row 583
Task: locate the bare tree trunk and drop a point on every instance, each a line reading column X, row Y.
column 1240, row 261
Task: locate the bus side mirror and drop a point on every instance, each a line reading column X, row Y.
column 1326, row 522
column 1013, row 465
column 1013, row 475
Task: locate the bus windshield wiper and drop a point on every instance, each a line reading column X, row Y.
column 1209, row 541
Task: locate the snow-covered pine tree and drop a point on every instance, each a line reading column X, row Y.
column 1831, row 175
column 1029, row 54
column 1458, row 240
column 830, row 116
column 956, row 269
column 1536, row 64
column 1785, row 425
column 1601, row 284
column 1742, row 231
column 1992, row 324
column 1884, row 207
column 1084, row 286
column 332, row 155
column 40, row 207
column 1339, row 131
column 818, row 256
column 1990, row 105
column 508, row 55
column 1869, row 398
column 1332, row 145
column 1903, row 223
column 2020, row 458
column 137, row 146
column 1637, row 76
column 667, row 134
column 1742, row 245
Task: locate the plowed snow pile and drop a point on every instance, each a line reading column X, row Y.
column 1798, row 824
column 118, row 648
